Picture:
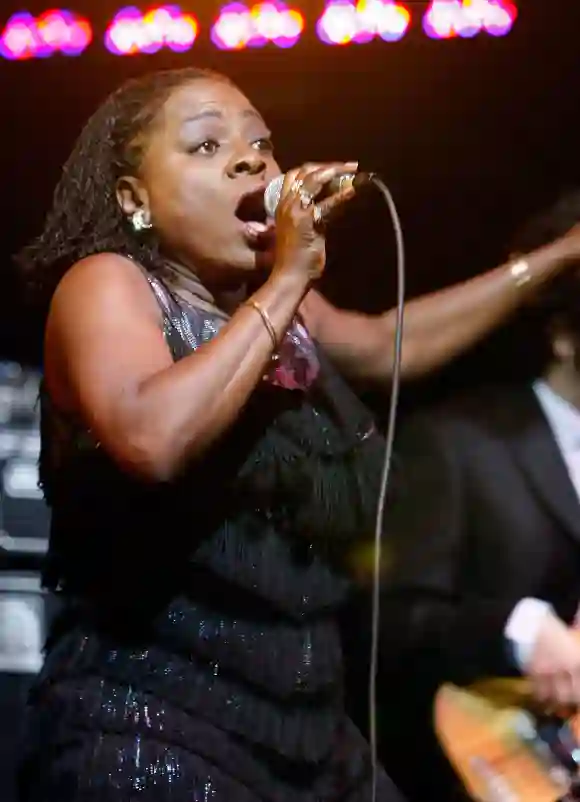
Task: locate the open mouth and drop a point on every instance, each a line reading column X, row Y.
column 252, row 212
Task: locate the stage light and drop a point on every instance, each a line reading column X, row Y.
column 338, row 24
column 233, row 28
column 343, row 22
column 445, row 19
column 132, row 31
column 238, row 26
column 64, row 32
column 55, row 31
column 384, row 18
column 19, row 39
column 498, row 16
column 274, row 22
column 442, row 19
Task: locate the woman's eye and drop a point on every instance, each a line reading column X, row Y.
column 264, row 144
column 207, row 147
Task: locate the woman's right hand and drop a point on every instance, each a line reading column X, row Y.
column 300, row 242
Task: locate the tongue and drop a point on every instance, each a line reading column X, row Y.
column 255, row 228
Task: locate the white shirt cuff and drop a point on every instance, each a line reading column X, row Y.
column 523, row 625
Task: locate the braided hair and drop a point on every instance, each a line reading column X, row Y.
column 85, row 217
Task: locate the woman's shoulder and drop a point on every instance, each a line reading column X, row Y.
column 101, row 271
column 100, row 284
column 103, row 309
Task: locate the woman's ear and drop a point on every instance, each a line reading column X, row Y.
column 132, row 196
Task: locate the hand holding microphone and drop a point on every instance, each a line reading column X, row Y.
column 299, row 239
column 347, row 180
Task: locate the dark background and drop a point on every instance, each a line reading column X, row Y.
column 471, row 136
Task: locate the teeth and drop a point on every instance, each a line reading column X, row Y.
column 254, row 227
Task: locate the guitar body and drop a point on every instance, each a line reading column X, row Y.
column 501, row 746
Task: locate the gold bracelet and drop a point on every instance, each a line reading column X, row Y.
column 520, row 272
column 265, row 320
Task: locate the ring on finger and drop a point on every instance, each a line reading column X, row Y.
column 316, row 215
column 306, row 198
column 296, row 185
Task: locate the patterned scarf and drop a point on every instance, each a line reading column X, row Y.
column 295, row 366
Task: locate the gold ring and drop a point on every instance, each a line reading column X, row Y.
column 316, row 215
column 296, row 185
column 306, row 198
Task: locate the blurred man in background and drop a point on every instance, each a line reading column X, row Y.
column 484, row 521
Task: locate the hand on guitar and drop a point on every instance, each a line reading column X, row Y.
column 554, row 665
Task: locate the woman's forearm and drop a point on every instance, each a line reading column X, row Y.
column 438, row 326
column 179, row 412
column 441, row 325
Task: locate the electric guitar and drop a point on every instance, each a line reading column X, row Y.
column 504, row 747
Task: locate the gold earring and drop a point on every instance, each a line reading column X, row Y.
column 140, row 220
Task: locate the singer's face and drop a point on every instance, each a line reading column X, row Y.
column 206, row 164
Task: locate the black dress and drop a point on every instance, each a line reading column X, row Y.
column 197, row 658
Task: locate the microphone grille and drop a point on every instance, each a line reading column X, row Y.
column 272, row 195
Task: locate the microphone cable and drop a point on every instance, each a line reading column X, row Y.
column 385, row 474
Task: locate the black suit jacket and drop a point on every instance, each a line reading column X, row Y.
column 482, row 513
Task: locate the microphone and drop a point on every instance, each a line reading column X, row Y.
column 274, row 188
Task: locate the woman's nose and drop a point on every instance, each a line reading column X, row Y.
column 250, row 162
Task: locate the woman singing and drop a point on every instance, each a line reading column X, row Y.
column 206, row 466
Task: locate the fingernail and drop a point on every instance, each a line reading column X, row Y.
column 352, row 165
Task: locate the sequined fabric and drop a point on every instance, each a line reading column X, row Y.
column 197, row 656
column 139, row 747
column 294, row 366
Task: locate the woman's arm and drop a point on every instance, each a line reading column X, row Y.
column 107, row 362
column 438, row 326
column 106, row 359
